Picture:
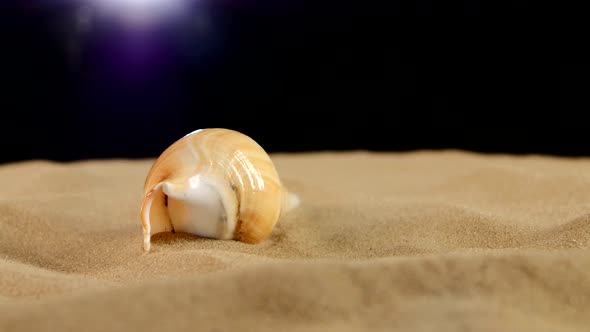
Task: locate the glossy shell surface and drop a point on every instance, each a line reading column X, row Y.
column 216, row 183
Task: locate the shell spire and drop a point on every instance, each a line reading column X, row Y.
column 215, row 183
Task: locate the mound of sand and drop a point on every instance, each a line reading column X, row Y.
column 420, row 241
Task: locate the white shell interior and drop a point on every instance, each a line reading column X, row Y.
column 198, row 208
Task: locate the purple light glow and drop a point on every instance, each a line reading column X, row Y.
column 135, row 58
column 137, row 44
column 141, row 12
column 127, row 40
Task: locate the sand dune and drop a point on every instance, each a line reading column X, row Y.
column 416, row 241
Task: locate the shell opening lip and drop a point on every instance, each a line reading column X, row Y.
column 145, row 216
column 145, row 219
column 181, row 205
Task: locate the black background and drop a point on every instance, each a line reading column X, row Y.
column 295, row 76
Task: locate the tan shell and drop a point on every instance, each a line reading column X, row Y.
column 220, row 178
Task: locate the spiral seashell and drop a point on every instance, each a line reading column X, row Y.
column 214, row 183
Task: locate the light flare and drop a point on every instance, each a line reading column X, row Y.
column 141, row 12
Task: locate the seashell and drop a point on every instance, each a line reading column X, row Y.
column 215, row 183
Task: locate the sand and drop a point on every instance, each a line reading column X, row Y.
column 415, row 241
